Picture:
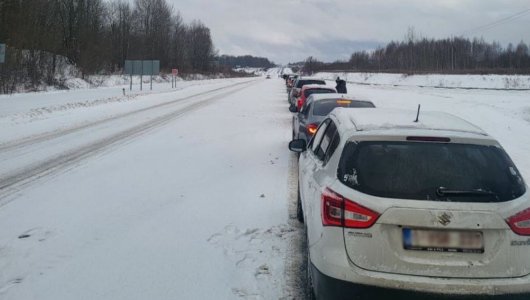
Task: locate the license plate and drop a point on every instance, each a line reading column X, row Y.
column 443, row 240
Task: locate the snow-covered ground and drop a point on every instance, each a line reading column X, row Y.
column 518, row 82
column 505, row 115
column 273, row 72
column 182, row 201
column 185, row 194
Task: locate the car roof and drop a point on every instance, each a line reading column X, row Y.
column 310, row 78
column 317, row 86
column 385, row 119
column 318, row 97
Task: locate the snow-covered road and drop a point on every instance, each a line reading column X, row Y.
column 195, row 209
column 28, row 157
column 177, row 195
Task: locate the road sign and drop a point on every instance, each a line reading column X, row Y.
column 142, row 67
column 175, row 72
column 2, row 53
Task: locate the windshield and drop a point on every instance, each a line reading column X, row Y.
column 324, row 107
column 417, row 170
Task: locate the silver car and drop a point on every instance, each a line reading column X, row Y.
column 395, row 207
column 316, row 109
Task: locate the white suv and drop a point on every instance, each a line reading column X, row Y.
column 394, row 207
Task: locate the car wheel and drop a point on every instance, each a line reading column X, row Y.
column 310, row 292
column 299, row 211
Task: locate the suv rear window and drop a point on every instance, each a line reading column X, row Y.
column 310, row 92
column 417, row 170
column 324, row 107
column 303, row 82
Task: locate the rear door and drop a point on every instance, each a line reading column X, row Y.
column 422, row 234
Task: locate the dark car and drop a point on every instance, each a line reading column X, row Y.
column 316, row 109
column 297, row 87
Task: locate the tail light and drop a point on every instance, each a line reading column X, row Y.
column 312, row 129
column 299, row 103
column 341, row 212
column 520, row 223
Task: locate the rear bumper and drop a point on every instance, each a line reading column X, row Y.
column 327, row 287
column 335, row 269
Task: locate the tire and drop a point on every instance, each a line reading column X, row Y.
column 299, row 211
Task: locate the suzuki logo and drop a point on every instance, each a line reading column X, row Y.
column 445, row 218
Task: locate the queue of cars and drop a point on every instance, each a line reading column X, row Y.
column 398, row 204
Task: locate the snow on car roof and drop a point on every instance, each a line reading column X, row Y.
column 382, row 119
column 317, row 97
column 317, row 86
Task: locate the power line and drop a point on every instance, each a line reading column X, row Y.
column 498, row 22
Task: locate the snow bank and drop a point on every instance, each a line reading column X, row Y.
column 249, row 70
column 511, row 82
column 273, row 72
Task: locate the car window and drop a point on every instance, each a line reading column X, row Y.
column 326, row 141
column 324, row 107
column 315, row 141
column 413, row 170
column 335, row 141
column 306, row 108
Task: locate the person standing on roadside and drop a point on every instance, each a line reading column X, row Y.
column 341, row 86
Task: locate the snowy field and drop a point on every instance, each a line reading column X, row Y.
column 185, row 194
column 515, row 82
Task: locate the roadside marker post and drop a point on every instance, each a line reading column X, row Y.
column 174, row 73
column 2, row 53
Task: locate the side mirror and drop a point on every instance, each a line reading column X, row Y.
column 298, row 146
column 293, row 108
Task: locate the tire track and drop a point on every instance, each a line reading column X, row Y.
column 31, row 140
column 21, row 177
column 296, row 258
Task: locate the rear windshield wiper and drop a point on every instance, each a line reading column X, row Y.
column 443, row 192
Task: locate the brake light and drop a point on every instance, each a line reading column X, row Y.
column 428, row 139
column 299, row 103
column 520, row 223
column 341, row 212
column 312, row 129
column 341, row 102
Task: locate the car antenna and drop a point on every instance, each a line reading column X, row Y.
column 418, row 114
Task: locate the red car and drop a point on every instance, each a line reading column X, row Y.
column 311, row 89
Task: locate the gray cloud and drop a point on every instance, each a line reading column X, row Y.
column 291, row 30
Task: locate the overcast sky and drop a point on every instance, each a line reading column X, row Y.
column 291, row 30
